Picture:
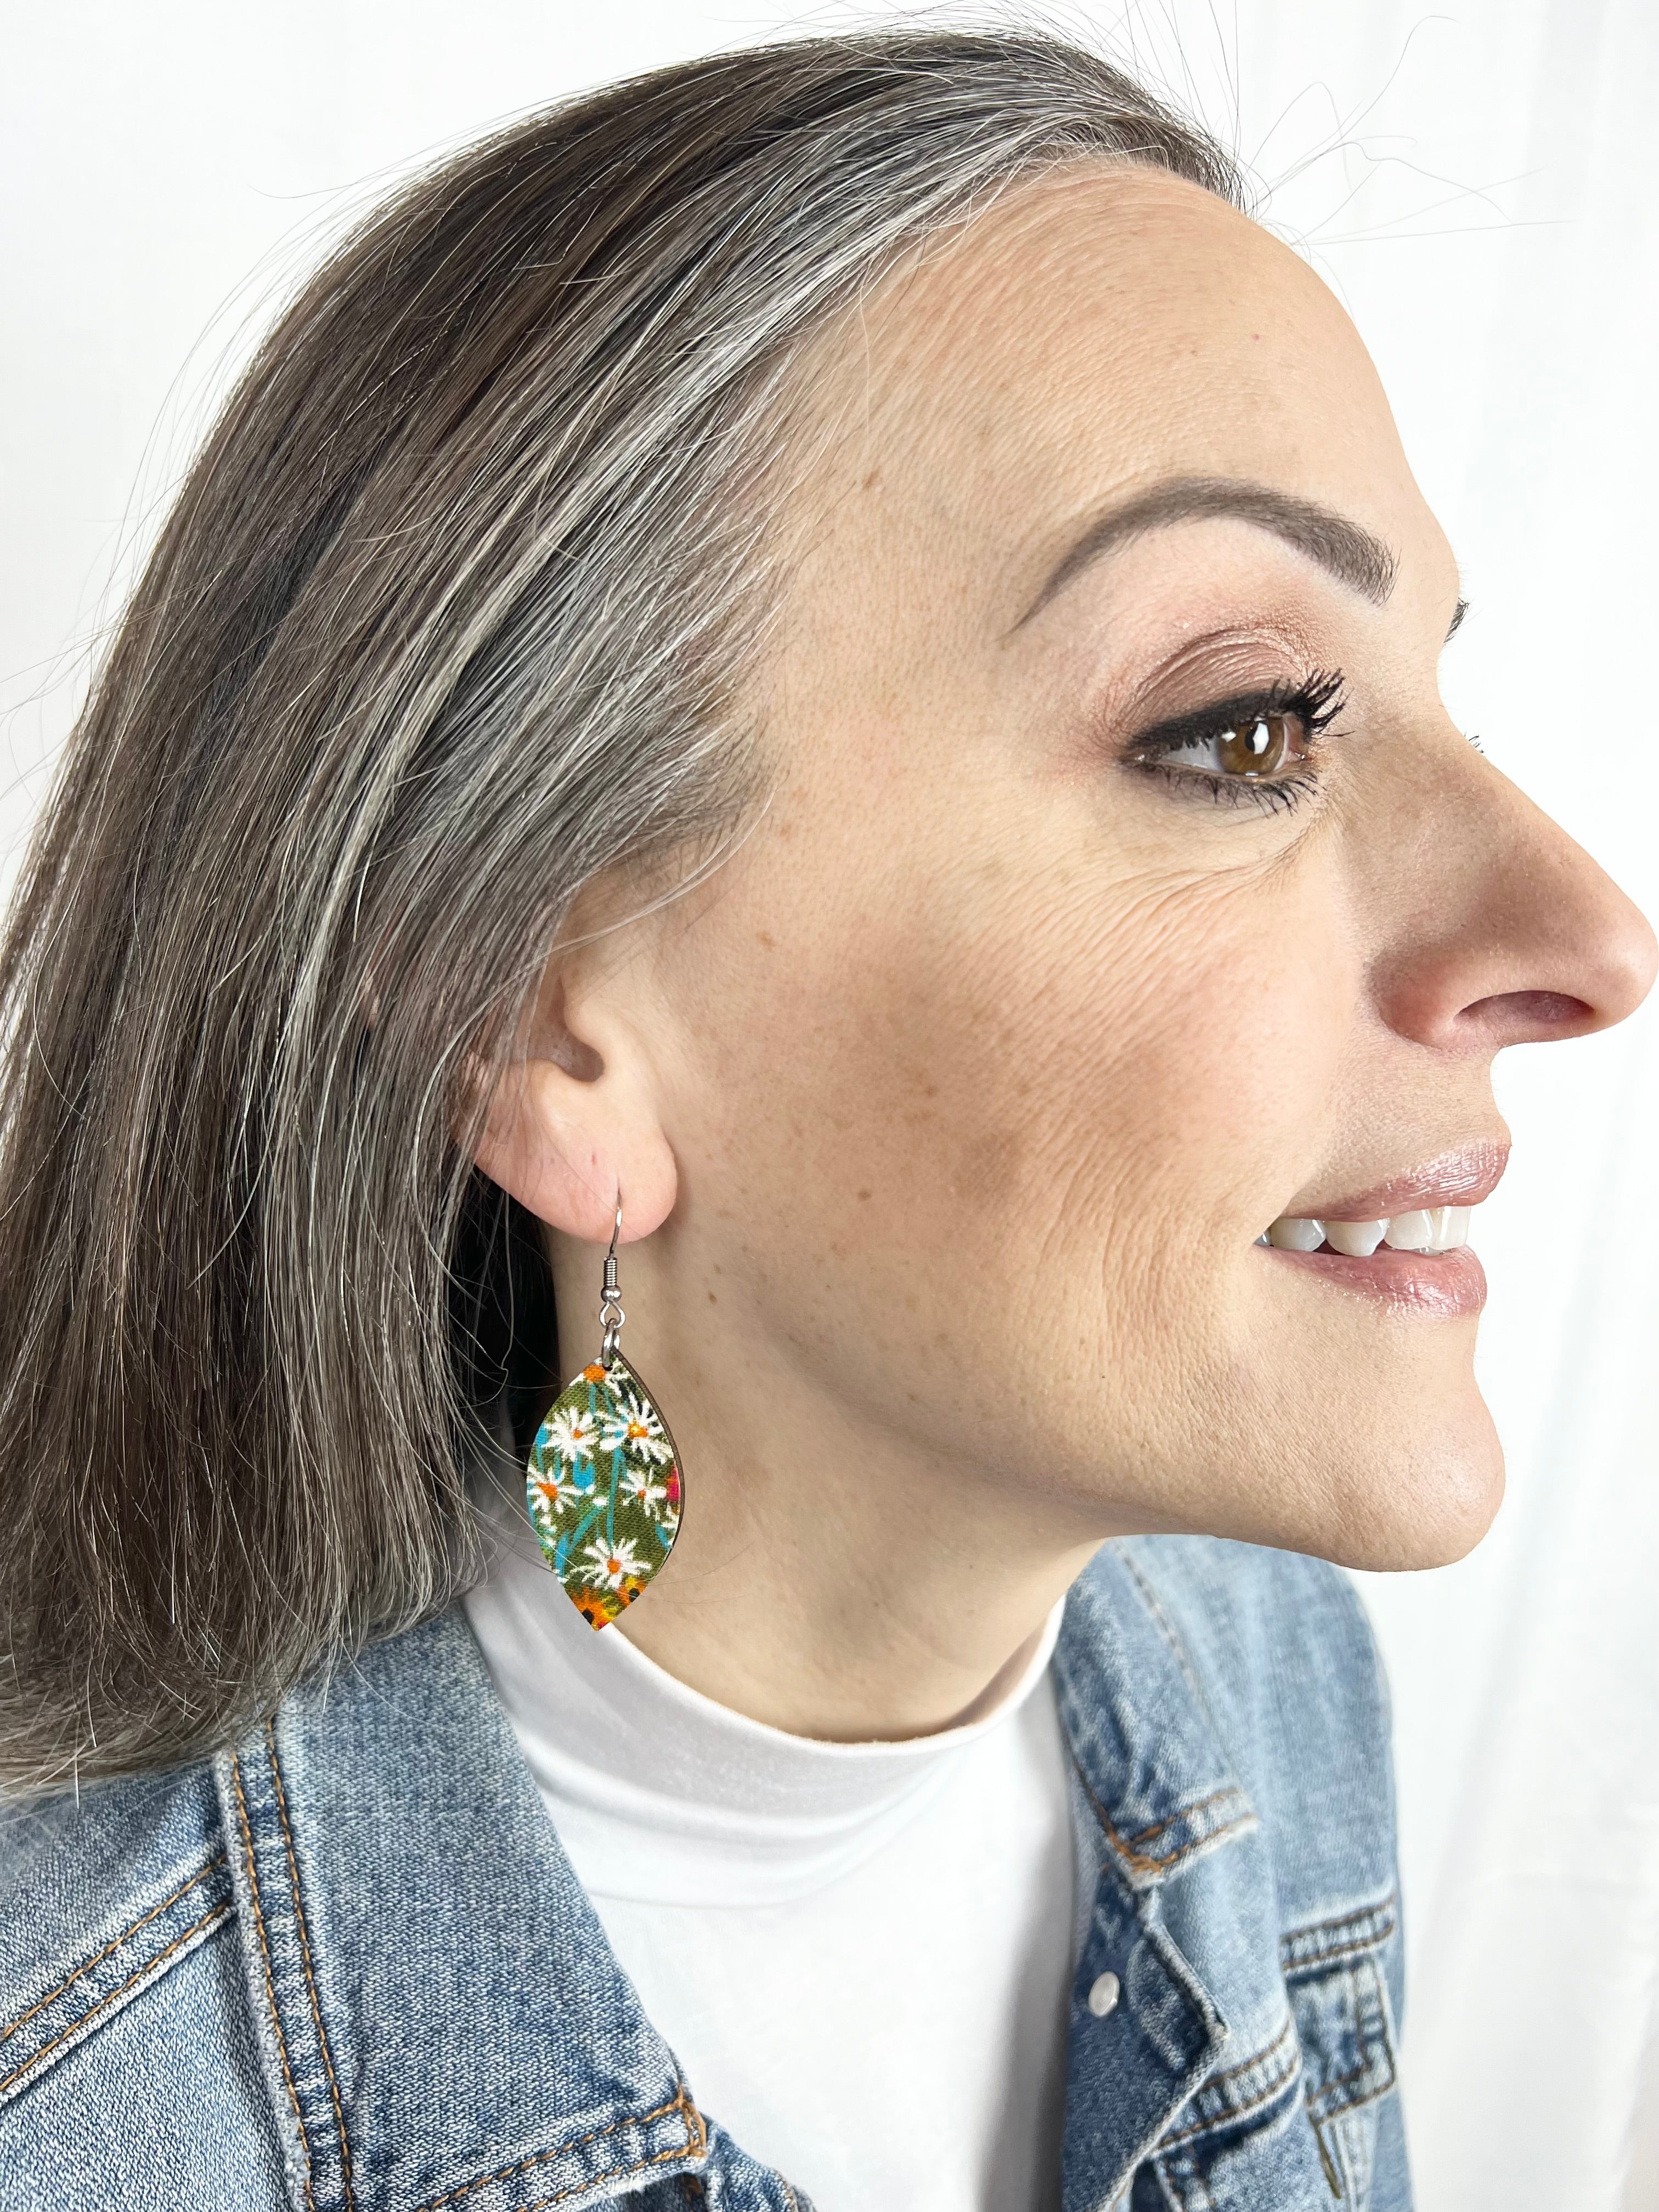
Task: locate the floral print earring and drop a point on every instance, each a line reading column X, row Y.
column 603, row 1484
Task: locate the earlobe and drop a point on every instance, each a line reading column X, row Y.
column 565, row 1144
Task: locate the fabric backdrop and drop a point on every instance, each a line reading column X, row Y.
column 1477, row 184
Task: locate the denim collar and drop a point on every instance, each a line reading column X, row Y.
column 394, row 1865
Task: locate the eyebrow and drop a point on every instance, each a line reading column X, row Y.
column 1340, row 546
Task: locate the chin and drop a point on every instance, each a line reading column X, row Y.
column 1425, row 1511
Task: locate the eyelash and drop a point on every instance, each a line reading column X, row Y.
column 1314, row 703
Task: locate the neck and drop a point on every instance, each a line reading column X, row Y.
column 831, row 1577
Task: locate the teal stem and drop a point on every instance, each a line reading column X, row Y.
column 571, row 1538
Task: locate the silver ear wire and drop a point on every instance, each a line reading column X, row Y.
column 610, row 1307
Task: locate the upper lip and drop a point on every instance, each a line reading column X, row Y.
column 1462, row 1177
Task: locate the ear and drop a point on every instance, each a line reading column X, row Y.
column 575, row 1124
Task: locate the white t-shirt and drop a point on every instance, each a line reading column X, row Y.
column 859, row 1954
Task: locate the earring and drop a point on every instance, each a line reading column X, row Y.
column 603, row 1484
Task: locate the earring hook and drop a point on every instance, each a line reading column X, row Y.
column 611, row 1306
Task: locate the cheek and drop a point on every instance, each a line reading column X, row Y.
column 1012, row 1095
column 1204, row 1028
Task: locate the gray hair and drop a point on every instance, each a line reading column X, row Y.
column 451, row 615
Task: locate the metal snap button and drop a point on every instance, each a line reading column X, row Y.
column 1104, row 1993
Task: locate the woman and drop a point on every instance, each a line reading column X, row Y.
column 818, row 672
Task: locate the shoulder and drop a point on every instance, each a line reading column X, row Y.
column 1254, row 1622
column 121, row 2002
column 1283, row 1661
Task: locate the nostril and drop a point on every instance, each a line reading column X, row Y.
column 1535, row 1014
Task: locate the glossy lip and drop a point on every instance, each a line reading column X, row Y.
column 1444, row 1284
column 1462, row 1177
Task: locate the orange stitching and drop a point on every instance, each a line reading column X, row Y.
column 98, row 1957
column 1225, row 2119
column 1343, row 1920
column 614, row 2173
column 1287, row 2034
column 1376, row 2048
column 1145, row 1835
column 696, row 2138
column 1332, row 2178
column 304, row 1954
column 1380, row 2051
column 1145, row 1861
column 214, row 1912
column 264, row 1954
column 1297, row 1970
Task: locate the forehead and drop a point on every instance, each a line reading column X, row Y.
column 1095, row 331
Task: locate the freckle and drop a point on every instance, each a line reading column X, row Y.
column 864, row 1193
column 930, row 1090
column 713, row 1300
column 786, row 829
column 770, row 943
column 870, row 482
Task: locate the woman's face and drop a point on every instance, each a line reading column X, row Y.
column 1111, row 906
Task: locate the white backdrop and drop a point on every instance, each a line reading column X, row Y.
column 1476, row 183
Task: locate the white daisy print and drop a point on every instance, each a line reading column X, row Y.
column 631, row 1425
column 571, row 1434
column 637, row 1488
column 557, row 1490
column 610, row 1565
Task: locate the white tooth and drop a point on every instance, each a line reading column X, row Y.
column 1290, row 1233
column 1410, row 1232
column 1449, row 1227
column 1358, row 1239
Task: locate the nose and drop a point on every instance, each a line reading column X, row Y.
column 1500, row 929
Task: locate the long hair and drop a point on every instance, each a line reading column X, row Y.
column 451, row 614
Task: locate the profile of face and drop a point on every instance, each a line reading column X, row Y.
column 1123, row 890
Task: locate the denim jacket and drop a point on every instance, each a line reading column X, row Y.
column 345, row 1966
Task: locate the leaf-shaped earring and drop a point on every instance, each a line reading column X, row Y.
column 603, row 1484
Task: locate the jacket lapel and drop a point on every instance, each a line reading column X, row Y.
column 1156, row 1792
column 442, row 2024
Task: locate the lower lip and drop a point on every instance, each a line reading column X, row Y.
column 1443, row 1283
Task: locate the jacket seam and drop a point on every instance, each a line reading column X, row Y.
column 1297, row 1970
column 1154, row 1604
column 1274, row 2089
column 1355, row 2074
column 1383, row 1915
column 1185, row 1813
column 1383, row 1905
column 213, row 1913
column 270, row 1987
column 305, row 1955
column 110, row 1949
column 680, row 2103
column 1379, row 2061
column 1150, row 1862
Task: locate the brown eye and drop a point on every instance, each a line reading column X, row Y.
column 1264, row 744
column 1257, row 748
